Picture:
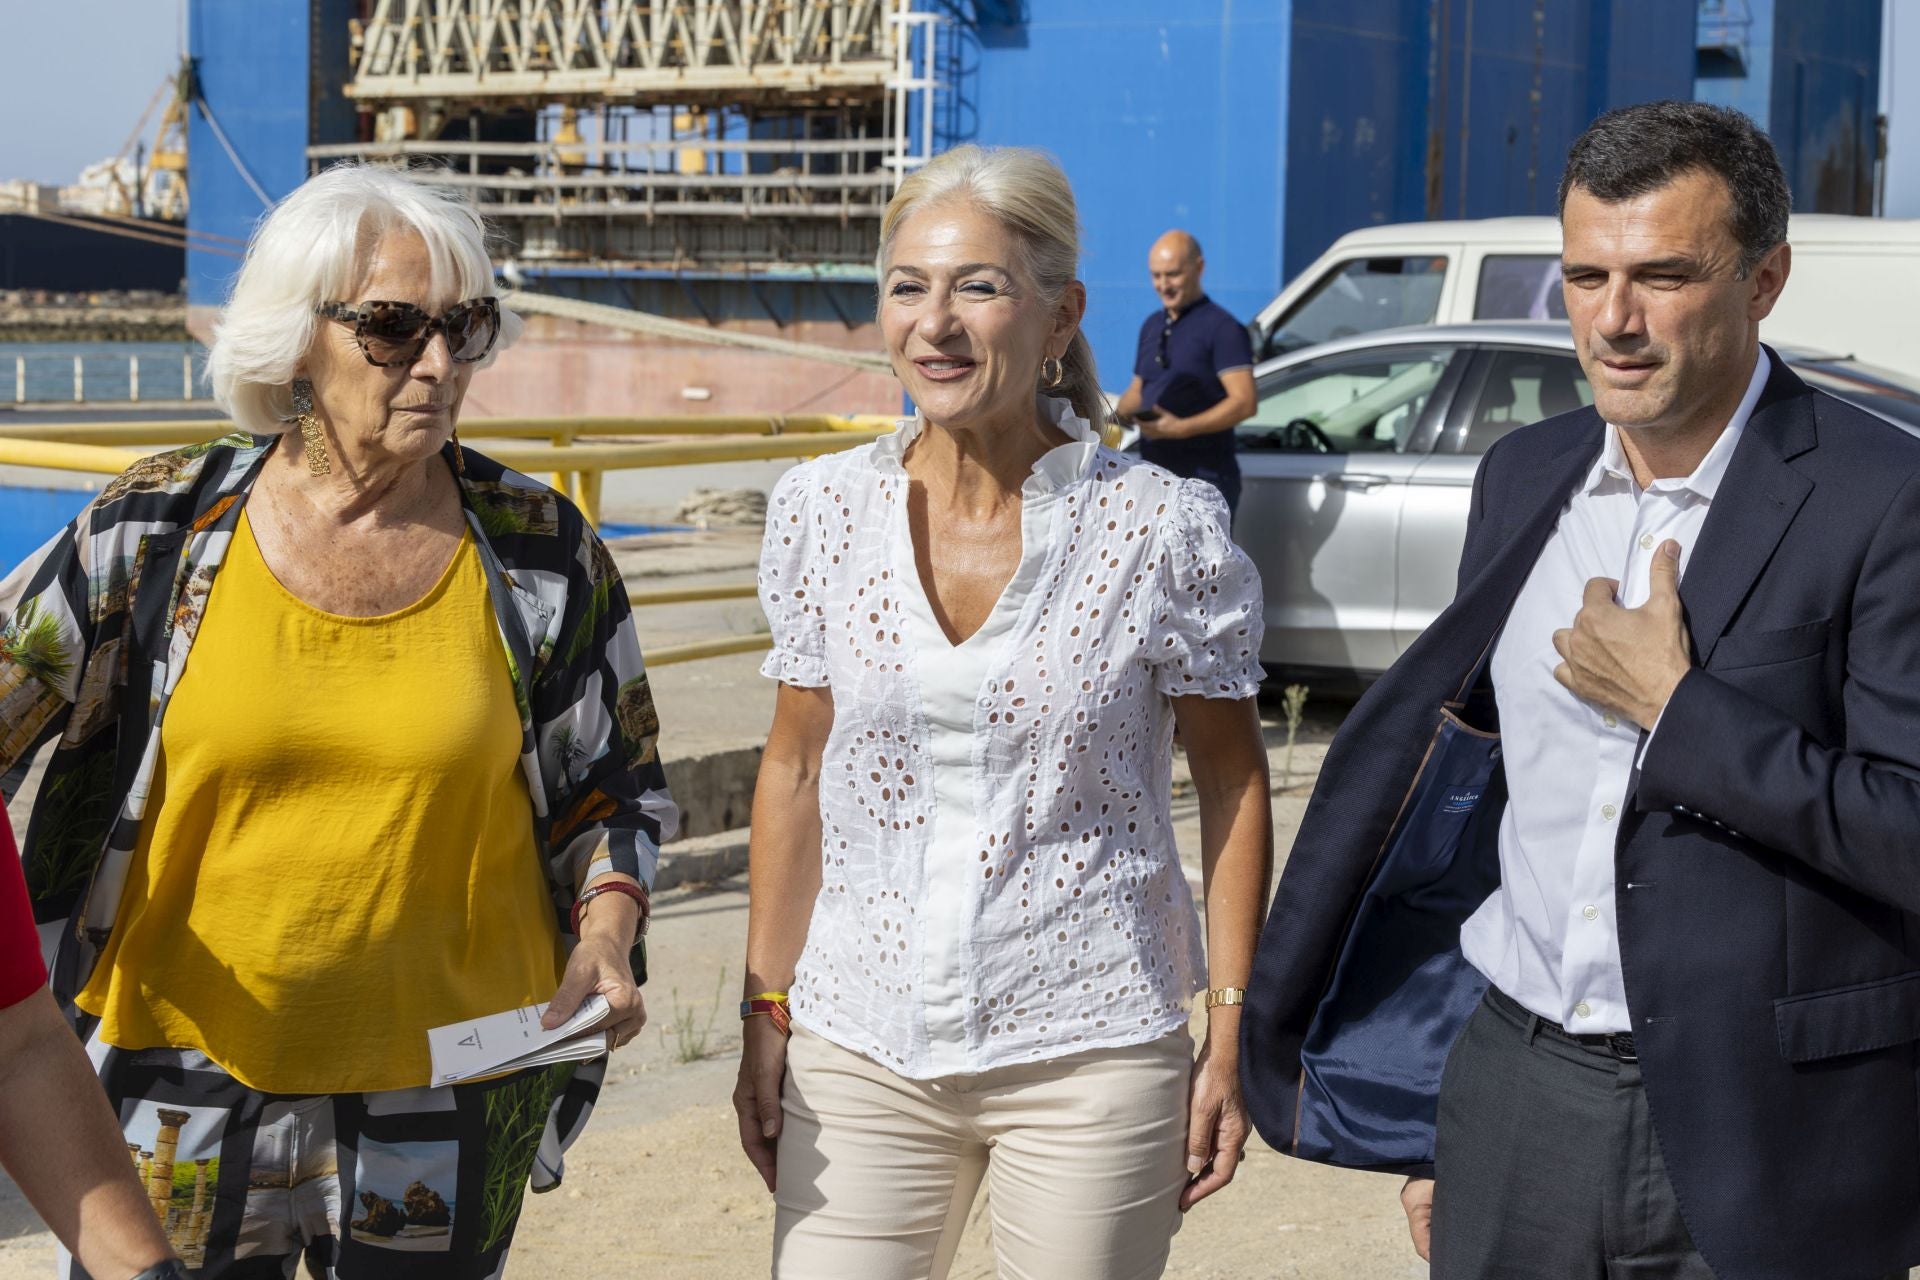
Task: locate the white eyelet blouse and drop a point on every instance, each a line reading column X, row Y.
column 999, row 879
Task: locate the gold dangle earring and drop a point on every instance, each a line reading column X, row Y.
column 1052, row 372
column 311, row 436
column 459, row 463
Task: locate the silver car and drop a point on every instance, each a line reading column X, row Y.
column 1358, row 465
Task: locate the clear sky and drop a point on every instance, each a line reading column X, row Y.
column 74, row 77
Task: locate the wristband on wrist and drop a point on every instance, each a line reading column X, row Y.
column 774, row 1005
column 622, row 888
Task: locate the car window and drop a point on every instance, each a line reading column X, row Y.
column 1522, row 387
column 1894, row 396
column 1520, row 286
column 1357, row 402
column 1362, row 296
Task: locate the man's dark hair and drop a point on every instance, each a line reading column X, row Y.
column 1633, row 150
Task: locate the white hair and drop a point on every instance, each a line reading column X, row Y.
column 312, row 248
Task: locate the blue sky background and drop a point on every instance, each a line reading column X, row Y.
column 74, row 77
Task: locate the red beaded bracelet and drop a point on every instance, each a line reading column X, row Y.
column 633, row 891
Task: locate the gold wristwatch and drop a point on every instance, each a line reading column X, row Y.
column 1226, row 995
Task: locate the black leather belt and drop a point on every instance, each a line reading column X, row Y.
column 1617, row 1043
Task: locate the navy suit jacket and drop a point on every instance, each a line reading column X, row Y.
column 1767, row 865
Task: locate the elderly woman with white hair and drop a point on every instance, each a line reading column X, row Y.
column 968, row 910
column 352, row 739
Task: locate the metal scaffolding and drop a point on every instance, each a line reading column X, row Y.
column 559, row 49
column 676, row 133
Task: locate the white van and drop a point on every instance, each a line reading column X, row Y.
column 1852, row 280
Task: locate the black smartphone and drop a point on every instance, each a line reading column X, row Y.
column 1145, row 415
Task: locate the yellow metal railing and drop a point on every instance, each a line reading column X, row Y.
column 661, row 655
column 576, row 454
column 572, row 467
column 557, row 430
column 693, row 595
column 51, row 455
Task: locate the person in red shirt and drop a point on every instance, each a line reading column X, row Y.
column 50, row 1101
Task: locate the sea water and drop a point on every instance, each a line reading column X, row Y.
column 106, row 371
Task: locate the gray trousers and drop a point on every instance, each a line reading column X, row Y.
column 1547, row 1165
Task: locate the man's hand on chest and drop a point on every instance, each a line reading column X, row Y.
column 1628, row 660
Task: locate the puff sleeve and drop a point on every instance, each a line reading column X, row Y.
column 792, row 580
column 1210, row 622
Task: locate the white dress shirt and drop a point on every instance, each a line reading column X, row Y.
column 999, row 881
column 1547, row 935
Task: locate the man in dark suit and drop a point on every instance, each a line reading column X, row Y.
column 1603, row 923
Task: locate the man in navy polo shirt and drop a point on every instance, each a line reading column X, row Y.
column 1193, row 374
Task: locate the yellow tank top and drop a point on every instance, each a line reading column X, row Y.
column 338, row 850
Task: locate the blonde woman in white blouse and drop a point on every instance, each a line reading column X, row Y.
column 965, row 890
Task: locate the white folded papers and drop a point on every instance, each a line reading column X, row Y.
column 515, row 1040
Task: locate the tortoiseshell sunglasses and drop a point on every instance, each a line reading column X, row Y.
column 392, row 334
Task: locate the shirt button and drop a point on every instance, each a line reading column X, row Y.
column 1608, row 812
column 1611, row 721
column 1590, row 911
column 1583, row 1010
column 1646, row 542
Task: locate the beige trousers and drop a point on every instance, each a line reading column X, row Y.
column 1083, row 1156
